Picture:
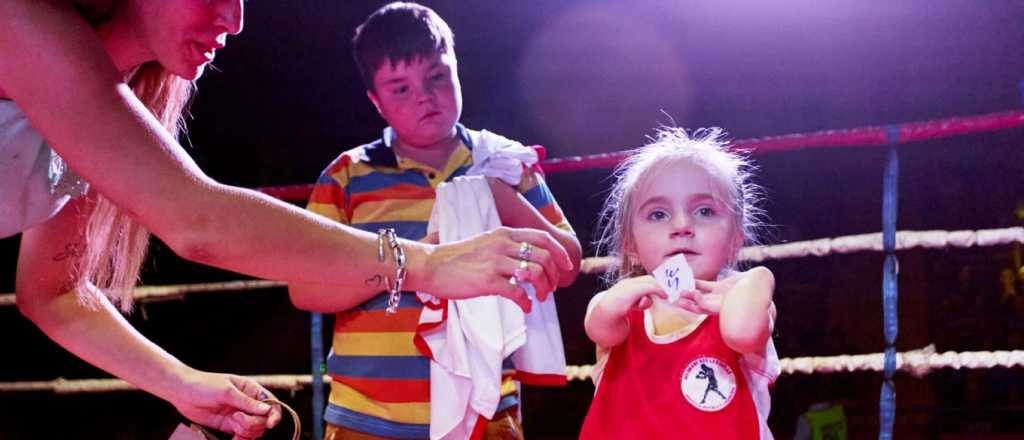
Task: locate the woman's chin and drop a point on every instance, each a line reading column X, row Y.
column 188, row 71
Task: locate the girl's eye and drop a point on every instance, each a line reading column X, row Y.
column 438, row 77
column 705, row 211
column 657, row 215
column 401, row 90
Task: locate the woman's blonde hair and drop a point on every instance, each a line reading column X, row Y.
column 115, row 244
column 705, row 148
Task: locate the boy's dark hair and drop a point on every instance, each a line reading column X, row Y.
column 397, row 32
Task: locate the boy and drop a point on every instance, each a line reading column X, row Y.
column 380, row 380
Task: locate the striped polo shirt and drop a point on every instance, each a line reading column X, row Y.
column 380, row 380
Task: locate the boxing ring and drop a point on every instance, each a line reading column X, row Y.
column 888, row 361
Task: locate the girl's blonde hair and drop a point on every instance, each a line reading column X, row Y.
column 705, row 148
column 115, row 244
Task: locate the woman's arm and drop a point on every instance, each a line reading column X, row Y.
column 54, row 66
column 747, row 310
column 104, row 338
column 463, row 269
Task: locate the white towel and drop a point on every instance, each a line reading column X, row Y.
column 467, row 340
column 497, row 156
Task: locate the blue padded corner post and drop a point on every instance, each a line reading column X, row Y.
column 890, row 291
column 317, row 361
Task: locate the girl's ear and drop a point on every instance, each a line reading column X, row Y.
column 737, row 240
column 737, row 243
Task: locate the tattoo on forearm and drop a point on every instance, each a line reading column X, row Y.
column 376, row 280
column 71, row 250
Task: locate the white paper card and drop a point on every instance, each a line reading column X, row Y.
column 674, row 275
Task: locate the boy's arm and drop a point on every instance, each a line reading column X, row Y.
column 517, row 212
column 747, row 311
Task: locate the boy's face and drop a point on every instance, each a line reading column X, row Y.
column 420, row 99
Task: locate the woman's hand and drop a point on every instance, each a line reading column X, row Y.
column 228, row 403
column 485, row 263
column 515, row 212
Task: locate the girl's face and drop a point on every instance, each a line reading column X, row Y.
column 184, row 35
column 677, row 210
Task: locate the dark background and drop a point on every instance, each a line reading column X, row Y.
column 583, row 77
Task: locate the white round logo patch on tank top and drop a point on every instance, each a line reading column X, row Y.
column 708, row 383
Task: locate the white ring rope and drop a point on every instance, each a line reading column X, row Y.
column 856, row 243
column 287, row 382
column 819, row 247
column 176, row 291
column 916, row 362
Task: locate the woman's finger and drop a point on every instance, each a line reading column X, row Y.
column 503, row 287
column 543, row 240
column 546, row 265
column 533, row 273
column 246, row 425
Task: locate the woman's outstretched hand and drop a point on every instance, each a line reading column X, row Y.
column 483, row 265
column 228, row 403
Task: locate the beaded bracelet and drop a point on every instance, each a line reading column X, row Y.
column 395, row 289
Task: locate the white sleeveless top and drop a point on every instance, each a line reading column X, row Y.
column 35, row 182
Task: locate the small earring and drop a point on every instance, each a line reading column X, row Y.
column 635, row 267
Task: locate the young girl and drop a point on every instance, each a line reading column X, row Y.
column 698, row 367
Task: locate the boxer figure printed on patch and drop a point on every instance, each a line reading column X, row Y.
column 708, row 383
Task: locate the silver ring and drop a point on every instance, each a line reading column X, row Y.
column 521, row 270
column 525, row 250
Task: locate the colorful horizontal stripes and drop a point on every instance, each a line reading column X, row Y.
column 381, row 381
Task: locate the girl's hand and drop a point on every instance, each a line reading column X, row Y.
column 606, row 322
column 707, row 297
column 632, row 293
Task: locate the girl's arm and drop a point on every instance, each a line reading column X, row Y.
column 105, row 339
column 54, row 66
column 747, row 311
column 606, row 322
